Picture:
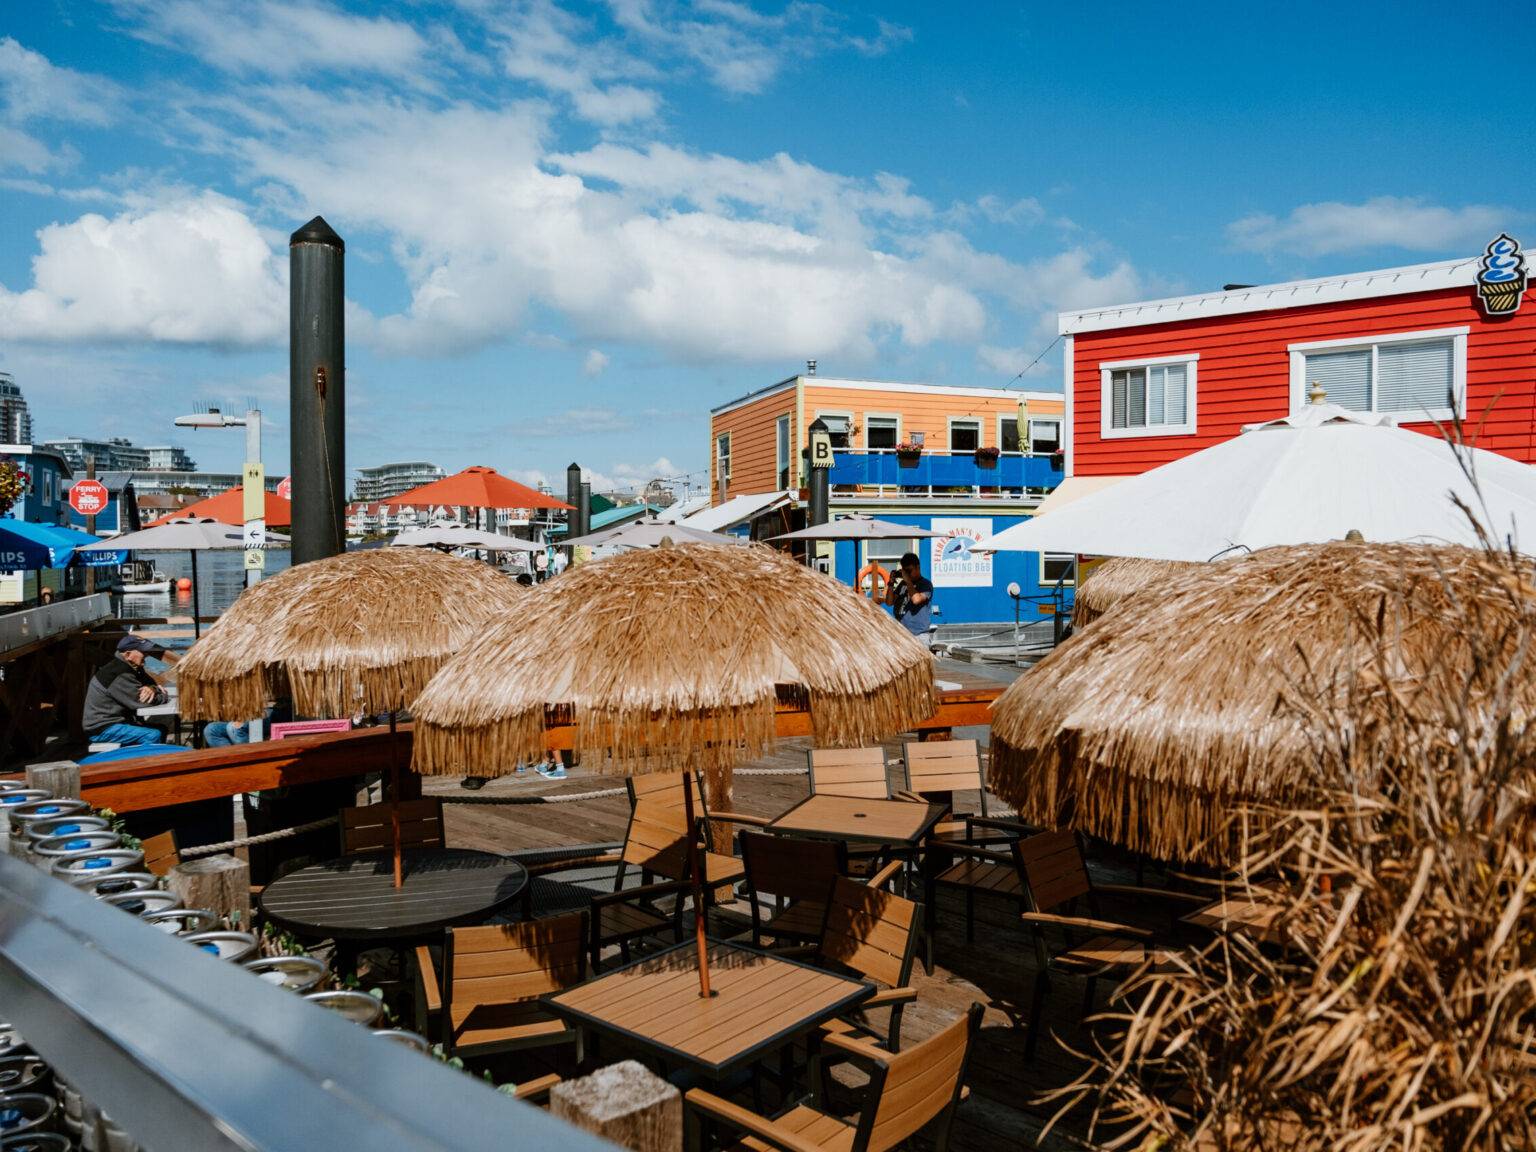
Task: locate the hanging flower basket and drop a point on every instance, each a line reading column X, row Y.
column 907, row 452
column 987, row 457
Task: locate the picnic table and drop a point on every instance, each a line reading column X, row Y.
column 762, row 1003
column 355, row 898
column 1252, row 911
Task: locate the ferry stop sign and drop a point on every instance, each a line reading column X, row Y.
column 89, row 497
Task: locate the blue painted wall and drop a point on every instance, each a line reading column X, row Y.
column 969, row 605
column 44, row 501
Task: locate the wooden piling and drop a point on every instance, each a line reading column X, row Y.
column 623, row 1103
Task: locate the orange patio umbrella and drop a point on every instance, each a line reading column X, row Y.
column 477, row 487
column 229, row 508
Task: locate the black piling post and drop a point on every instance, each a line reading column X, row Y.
column 573, row 498
column 586, row 507
column 316, row 390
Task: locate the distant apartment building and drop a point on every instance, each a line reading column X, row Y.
column 15, row 416
column 962, row 462
column 152, row 483
column 113, row 455
column 386, row 480
column 169, row 458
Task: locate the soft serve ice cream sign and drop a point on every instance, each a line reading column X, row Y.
column 1501, row 276
column 954, row 562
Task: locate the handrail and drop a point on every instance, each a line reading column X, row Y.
column 30, row 625
column 187, row 1051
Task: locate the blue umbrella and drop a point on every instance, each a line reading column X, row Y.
column 34, row 546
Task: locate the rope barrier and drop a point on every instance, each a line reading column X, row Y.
column 568, row 798
column 263, row 838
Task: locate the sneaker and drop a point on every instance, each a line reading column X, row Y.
column 552, row 771
column 474, row 783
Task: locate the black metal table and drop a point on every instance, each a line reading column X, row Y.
column 355, row 898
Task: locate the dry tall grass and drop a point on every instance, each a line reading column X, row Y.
column 1401, row 1011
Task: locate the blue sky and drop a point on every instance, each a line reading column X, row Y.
column 572, row 229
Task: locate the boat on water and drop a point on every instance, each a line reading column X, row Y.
column 140, row 576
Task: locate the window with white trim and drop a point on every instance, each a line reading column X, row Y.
column 782, row 430
column 1008, row 433
column 964, row 435
column 839, row 427
column 888, row 552
column 723, row 458
column 881, row 432
column 1414, row 375
column 1154, row 397
column 1057, row 566
column 1044, row 436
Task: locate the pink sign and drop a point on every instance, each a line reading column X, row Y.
column 309, row 727
column 285, row 488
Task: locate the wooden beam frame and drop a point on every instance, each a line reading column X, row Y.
column 157, row 781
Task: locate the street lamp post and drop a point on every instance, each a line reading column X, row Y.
column 254, row 483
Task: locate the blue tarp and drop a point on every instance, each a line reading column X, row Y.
column 25, row 545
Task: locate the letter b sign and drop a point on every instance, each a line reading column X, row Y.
column 821, row 450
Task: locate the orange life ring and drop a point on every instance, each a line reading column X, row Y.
column 878, row 579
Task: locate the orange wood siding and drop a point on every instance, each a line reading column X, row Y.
column 1243, row 374
column 926, row 412
column 754, row 444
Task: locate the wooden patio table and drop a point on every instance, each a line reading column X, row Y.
column 1253, row 912
column 355, row 898
column 761, row 1004
column 827, row 817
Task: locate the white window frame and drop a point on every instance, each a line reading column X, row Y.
column 783, row 451
column 1457, row 336
column 848, row 416
column 723, row 473
column 1001, row 418
column 975, row 421
column 1070, row 581
column 1029, row 439
column 868, row 416
column 1106, row 407
column 881, row 550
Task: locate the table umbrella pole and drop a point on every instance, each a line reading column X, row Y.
column 196, row 628
column 394, row 794
column 695, row 874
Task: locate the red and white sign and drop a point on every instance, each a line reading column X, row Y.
column 89, row 497
column 285, row 488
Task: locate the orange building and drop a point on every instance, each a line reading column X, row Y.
column 964, row 462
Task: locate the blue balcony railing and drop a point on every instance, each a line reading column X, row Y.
column 883, row 473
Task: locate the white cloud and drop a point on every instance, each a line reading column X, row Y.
column 1383, row 222
column 191, row 271
column 1010, row 362
column 31, row 89
column 595, row 362
column 545, row 45
column 272, row 37
column 628, row 477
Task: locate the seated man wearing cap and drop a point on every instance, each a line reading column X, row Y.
column 118, row 689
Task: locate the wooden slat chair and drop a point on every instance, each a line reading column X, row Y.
column 1054, row 876
column 906, row 1093
column 975, row 871
column 161, row 853
column 665, row 790
column 934, row 770
column 487, row 998
column 857, row 772
column 655, row 844
column 798, row 874
column 872, row 932
column 371, row 828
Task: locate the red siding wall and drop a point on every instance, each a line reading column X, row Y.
column 1244, row 373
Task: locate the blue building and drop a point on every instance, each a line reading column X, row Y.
column 45, row 501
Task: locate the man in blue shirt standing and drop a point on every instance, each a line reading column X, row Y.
column 911, row 597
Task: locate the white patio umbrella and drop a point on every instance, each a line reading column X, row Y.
column 858, row 527
column 650, row 534
column 191, row 534
column 1308, row 478
column 447, row 534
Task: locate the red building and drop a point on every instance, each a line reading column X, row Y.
column 1147, row 383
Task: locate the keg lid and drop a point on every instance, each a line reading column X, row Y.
column 137, row 903
column 409, row 1039
column 356, row 1006
column 300, row 973
column 232, row 946
column 177, row 921
column 20, row 1073
column 100, row 886
column 64, row 826
column 82, row 867
column 75, row 843
column 23, row 1111
column 51, row 806
column 36, row 1142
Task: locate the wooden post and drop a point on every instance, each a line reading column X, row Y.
column 625, row 1104
column 220, row 884
column 58, row 777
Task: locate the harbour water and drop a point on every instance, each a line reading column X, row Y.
column 220, row 580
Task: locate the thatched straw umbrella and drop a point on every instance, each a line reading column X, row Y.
column 674, row 658
column 671, row 658
column 1121, row 576
column 362, row 632
column 1154, row 727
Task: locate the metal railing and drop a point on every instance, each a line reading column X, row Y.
column 18, row 629
column 186, row 1051
column 884, row 473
